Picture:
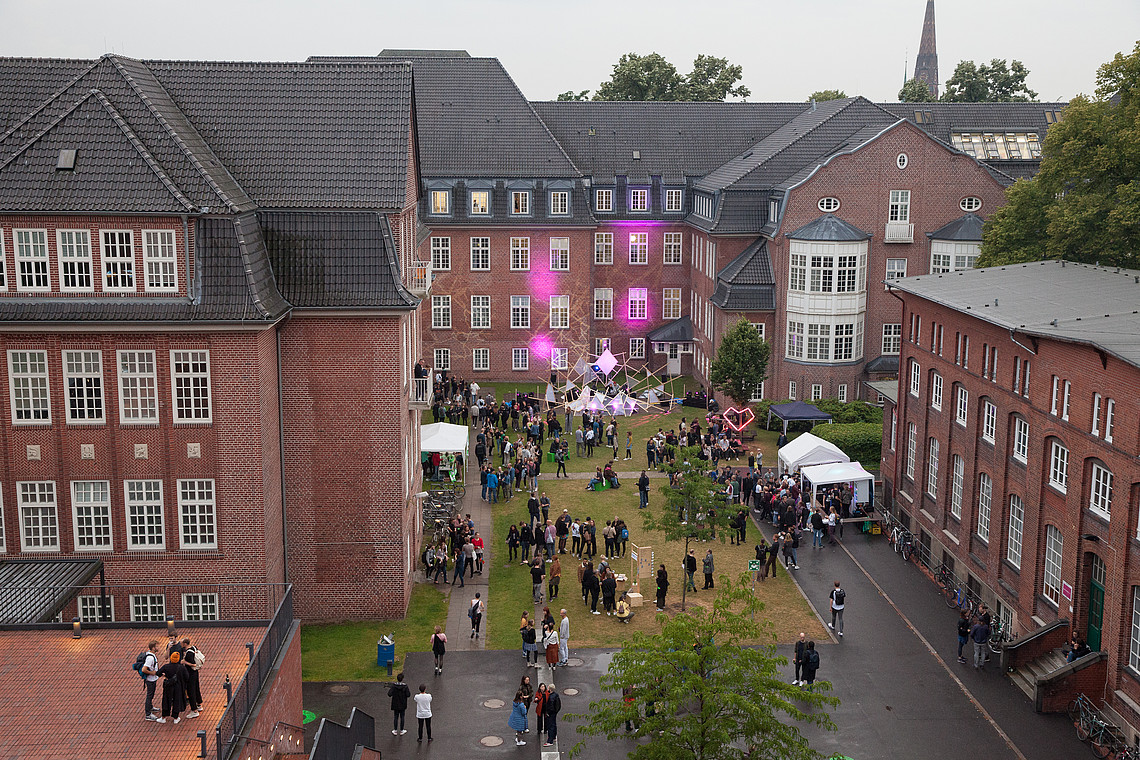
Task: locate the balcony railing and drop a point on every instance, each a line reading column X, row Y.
column 419, row 278
column 899, row 232
column 421, row 393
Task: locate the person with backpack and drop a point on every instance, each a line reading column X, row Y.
column 475, row 612
column 622, row 537
column 438, row 643
column 400, row 694
column 173, row 688
column 194, row 660
column 146, row 665
column 810, row 665
column 838, row 597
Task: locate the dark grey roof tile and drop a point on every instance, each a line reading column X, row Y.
column 966, row 228
column 677, row 331
column 829, row 228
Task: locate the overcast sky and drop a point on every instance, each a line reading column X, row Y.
column 788, row 49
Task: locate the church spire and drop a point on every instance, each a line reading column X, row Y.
column 926, row 65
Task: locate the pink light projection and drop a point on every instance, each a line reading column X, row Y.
column 606, row 362
column 541, row 345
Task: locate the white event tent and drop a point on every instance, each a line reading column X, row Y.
column 841, row 472
column 445, row 437
column 809, row 449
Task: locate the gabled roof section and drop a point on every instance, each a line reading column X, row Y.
column 746, row 283
column 966, row 228
column 677, row 331
column 947, row 118
column 829, row 228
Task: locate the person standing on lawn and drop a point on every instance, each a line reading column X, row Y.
column 643, row 490
column 707, row 567
column 400, row 694
column 553, row 577
column 662, row 587
column 690, row 565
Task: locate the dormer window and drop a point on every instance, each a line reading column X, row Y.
column 559, row 203
column 639, row 200
column 773, row 210
column 703, row 206
column 520, row 202
column 673, row 200
column 440, row 201
column 603, row 200
column 480, row 202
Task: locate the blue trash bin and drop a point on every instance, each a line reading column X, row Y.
column 385, row 654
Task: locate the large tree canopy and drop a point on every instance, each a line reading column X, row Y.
column 652, row 77
column 1084, row 204
column 821, row 95
column 995, row 82
column 741, row 362
column 915, row 91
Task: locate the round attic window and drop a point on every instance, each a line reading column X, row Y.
column 971, row 203
column 827, row 205
column 902, row 161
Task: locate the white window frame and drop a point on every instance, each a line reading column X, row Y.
column 670, row 303
column 603, row 199
column 138, row 387
column 795, row 342
column 1097, row 401
column 797, row 272
column 1109, row 418
column 480, row 312
column 1021, row 440
column 970, row 203
column 33, row 268
column 559, row 202
column 148, row 608
column 638, row 306
column 672, row 253
column 936, row 391
column 1058, row 466
column 639, row 248
column 3, row 265
column 757, row 393
column 520, row 203
column 989, row 422
column 481, row 360
column 83, row 387
column 560, row 254
column 792, row 390
column 828, row 204
column 1100, row 490
column 915, row 378
column 1056, row 395
column 73, row 249
column 637, row 348
column 985, row 505
column 957, row 485
column 184, row 380
column 144, row 510
column 604, row 303
column 932, row 468
column 894, row 427
column 1051, row 575
column 560, row 312
column 480, row 203
column 200, row 606
column 1016, row 526
column 899, row 206
column 90, row 608
column 30, row 388
column 638, row 199
column 674, row 200
column 441, row 359
column 480, row 254
column 197, row 513
column 440, row 202
column 520, row 254
column 816, row 391
column 160, row 261
column 91, row 515
column 896, row 269
column 118, row 269
column 1065, row 400
column 38, row 510
column 911, row 449
column 1134, row 639
column 441, row 254
column 962, row 412
column 559, row 358
column 892, row 339
column 603, row 248
column 520, row 359
column 441, row 312
column 520, row 312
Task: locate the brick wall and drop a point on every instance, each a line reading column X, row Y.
column 280, row 701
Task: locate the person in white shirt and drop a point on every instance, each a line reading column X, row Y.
column 423, row 712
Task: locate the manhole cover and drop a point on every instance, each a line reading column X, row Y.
column 491, row 741
column 570, row 692
column 574, row 662
column 340, row 688
column 494, row 704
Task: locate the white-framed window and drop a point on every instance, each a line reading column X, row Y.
column 1056, row 395
column 902, row 160
column 948, row 256
column 932, row 469
column 601, row 345
column 1016, row 524
column 759, row 328
column 32, row 270
column 441, row 254
column 639, row 248
column 1100, row 490
column 160, row 261
column 989, row 422
column 911, row 449
column 985, row 500
column 520, row 359
column 671, row 303
column 28, row 387
column 970, row 203
column 480, row 254
column 603, row 247
column 936, row 391
column 818, row 342
column 145, row 524
column 1065, row 399
column 896, row 269
column 962, row 405
column 560, row 203
column 637, row 348
column 441, row 312
column 773, row 210
column 520, row 202
column 91, row 608
column 39, row 521
column 899, row 206
column 797, row 272
column 829, row 273
column 559, row 254
column 3, row 265
column 91, row 514
column 841, row 393
column 603, row 303
column 894, row 427
column 1096, row 414
column 703, row 205
column 520, row 254
column 559, row 358
column 957, row 485
column 1054, row 546
column 1109, row 415
column 639, row 200
column 481, row 359
column 603, row 200
column 83, row 376
column 480, row 312
column 1020, row 439
column 480, row 202
column 441, row 359
column 792, row 390
column 118, row 260
column 520, row 312
column 915, row 378
column 845, row 337
column 74, row 250
column 674, row 200
column 559, row 312
column 1058, row 466
column 1134, row 639
column 199, row 606
column 672, row 248
column 148, row 608
column 828, row 205
column 892, row 339
column 138, row 387
column 795, row 340
column 638, row 303
column 197, row 514
column 816, row 391
column 441, row 201
column 757, row 393
column 190, row 373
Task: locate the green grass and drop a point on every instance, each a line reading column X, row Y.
column 347, row 651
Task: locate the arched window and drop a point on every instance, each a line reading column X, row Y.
column 1054, row 544
column 985, row 499
column 1100, row 489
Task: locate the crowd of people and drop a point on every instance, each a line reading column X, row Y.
column 459, row 547
column 181, row 687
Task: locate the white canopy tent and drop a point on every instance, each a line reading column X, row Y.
column 809, row 449
column 444, row 437
column 842, row 472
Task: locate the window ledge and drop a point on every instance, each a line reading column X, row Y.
column 1011, row 567
column 978, row 561
column 985, row 541
column 1008, row 588
column 952, row 537
column 1048, row 603
column 1100, row 519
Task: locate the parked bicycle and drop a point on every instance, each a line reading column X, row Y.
column 1001, row 635
column 903, row 541
column 1127, row 753
column 1103, row 737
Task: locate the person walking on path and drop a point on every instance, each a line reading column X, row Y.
column 690, row 565
column 537, row 573
column 963, row 634
column 707, row 567
column 838, row 597
column 811, row 664
column 773, row 556
column 643, row 490
column 550, row 713
column 980, row 635
column 439, row 649
column 400, row 694
column 564, row 640
column 149, row 670
column 798, row 660
column 423, row 712
column 475, row 612
column 662, row 587
column 550, row 641
column 530, row 644
column 553, row 578
column 517, row 720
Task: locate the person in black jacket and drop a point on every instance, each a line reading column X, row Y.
column 400, row 694
column 963, row 634
column 174, row 678
column 662, row 588
column 798, row 660
column 643, row 490
column 550, row 715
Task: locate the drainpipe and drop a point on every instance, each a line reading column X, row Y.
column 1015, row 340
column 281, row 449
column 895, row 470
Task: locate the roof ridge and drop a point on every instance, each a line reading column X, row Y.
column 530, row 107
column 55, row 96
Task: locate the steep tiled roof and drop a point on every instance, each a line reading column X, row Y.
column 746, row 283
column 677, row 331
column 965, row 228
column 829, row 228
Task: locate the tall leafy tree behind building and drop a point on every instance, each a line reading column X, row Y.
column 915, row 91
column 1084, row 203
column 993, row 82
column 741, row 362
column 653, row 77
column 820, row 96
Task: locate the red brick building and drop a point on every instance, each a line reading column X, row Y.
column 207, row 329
column 1013, row 447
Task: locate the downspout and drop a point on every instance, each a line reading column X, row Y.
column 895, row 458
column 1015, row 340
column 281, row 447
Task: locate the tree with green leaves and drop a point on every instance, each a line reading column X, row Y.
column 995, row 82
column 819, row 96
column 741, row 362
column 694, row 508
column 571, row 95
column 1084, row 203
column 652, row 77
column 702, row 690
column 915, row 91
column 714, row 80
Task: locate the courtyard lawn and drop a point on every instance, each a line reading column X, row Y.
column 347, row 651
column 785, row 607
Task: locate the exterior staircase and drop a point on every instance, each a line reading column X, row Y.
column 1027, row 675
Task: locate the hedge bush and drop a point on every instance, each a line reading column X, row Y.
column 862, row 441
